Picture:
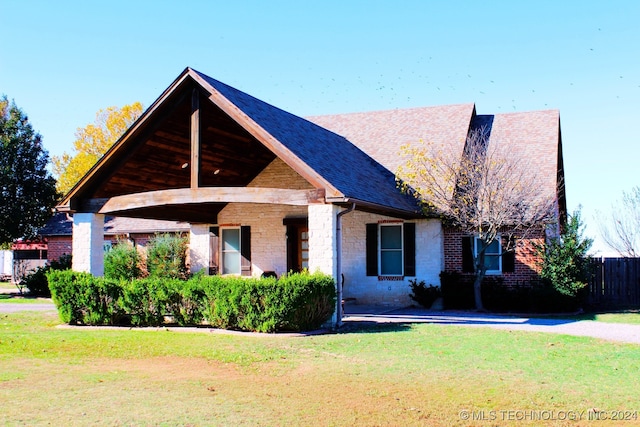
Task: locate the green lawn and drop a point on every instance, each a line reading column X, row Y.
column 7, row 285
column 19, row 299
column 377, row 375
column 629, row 316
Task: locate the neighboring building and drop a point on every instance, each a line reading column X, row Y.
column 265, row 190
column 28, row 255
column 57, row 232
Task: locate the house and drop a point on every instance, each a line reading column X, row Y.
column 26, row 256
column 265, row 190
column 57, row 232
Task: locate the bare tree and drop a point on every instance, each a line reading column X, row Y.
column 621, row 232
column 488, row 191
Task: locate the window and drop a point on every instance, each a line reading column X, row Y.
column 492, row 255
column 230, row 249
column 391, row 259
column 391, row 249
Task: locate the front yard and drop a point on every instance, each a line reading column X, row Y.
column 378, row 375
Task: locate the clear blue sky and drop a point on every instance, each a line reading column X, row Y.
column 62, row 61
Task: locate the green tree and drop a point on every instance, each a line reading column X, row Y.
column 27, row 189
column 92, row 142
column 564, row 260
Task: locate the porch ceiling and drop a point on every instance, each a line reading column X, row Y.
column 158, row 157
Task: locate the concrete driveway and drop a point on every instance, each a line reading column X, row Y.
column 11, row 307
column 587, row 328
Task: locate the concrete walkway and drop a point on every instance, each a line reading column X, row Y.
column 618, row 332
column 13, row 307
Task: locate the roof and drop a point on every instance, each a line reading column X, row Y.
column 533, row 135
column 327, row 160
column 353, row 157
column 61, row 224
column 381, row 133
column 353, row 172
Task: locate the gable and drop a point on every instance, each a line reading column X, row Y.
column 279, row 175
column 238, row 137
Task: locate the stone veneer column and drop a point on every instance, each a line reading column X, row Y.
column 199, row 248
column 88, row 243
column 322, row 238
column 322, row 244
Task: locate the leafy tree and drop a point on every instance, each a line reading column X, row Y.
column 27, row 189
column 92, row 142
column 487, row 191
column 564, row 260
column 622, row 233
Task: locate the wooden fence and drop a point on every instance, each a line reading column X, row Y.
column 615, row 283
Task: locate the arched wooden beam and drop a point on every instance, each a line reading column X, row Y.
column 278, row 196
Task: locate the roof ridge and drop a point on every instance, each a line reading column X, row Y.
column 426, row 107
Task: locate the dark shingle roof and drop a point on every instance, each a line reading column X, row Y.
column 346, row 167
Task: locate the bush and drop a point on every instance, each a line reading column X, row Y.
column 84, row 299
column 167, row 256
column 565, row 266
column 147, row 301
column 457, row 291
column 308, row 300
column 37, row 282
column 122, row 262
column 422, row 294
column 294, row 303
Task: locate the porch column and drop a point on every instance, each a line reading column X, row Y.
column 199, row 248
column 322, row 238
column 323, row 252
column 88, row 243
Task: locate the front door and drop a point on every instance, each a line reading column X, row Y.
column 297, row 244
column 303, row 248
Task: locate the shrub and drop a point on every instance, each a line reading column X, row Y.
column 84, row 299
column 122, row 262
column 309, row 300
column 565, row 267
column 457, row 291
column 147, row 301
column 295, row 302
column 167, row 256
column 37, row 282
column 422, row 294
column 503, row 298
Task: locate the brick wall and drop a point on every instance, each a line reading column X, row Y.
column 526, row 266
column 58, row 246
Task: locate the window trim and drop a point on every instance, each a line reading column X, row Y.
column 223, row 252
column 499, row 254
column 401, row 250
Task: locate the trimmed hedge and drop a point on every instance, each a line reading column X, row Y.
column 534, row 297
column 295, row 302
